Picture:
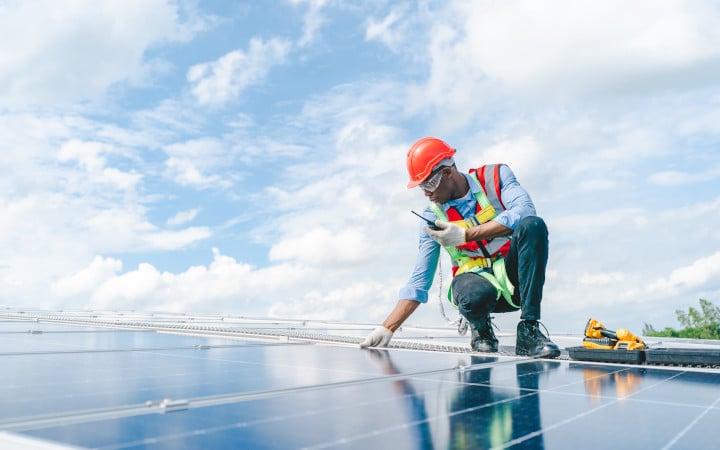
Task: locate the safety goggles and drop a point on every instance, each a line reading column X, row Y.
column 433, row 181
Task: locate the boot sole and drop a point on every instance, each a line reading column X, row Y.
column 550, row 353
column 487, row 350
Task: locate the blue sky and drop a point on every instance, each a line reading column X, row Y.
column 248, row 157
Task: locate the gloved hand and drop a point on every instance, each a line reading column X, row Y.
column 380, row 337
column 449, row 234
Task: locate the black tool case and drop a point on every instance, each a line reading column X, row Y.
column 601, row 355
column 683, row 356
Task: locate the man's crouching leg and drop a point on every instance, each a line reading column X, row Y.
column 475, row 297
column 526, row 264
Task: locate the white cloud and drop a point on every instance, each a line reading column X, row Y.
column 129, row 289
column 87, row 154
column 677, row 178
column 526, row 45
column 182, row 217
column 384, row 30
column 175, row 239
column 252, row 150
column 166, row 120
column 485, row 55
column 225, row 285
column 672, row 178
column 120, row 229
column 593, row 222
column 189, row 162
column 523, row 154
column 696, row 274
column 312, row 20
column 224, row 80
column 322, row 247
column 89, row 157
column 228, row 286
column 108, row 42
column 121, row 180
column 601, row 278
column 185, row 173
column 209, row 150
column 82, row 282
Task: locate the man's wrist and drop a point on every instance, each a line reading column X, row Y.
column 391, row 327
column 470, row 234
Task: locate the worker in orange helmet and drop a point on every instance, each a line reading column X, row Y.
column 498, row 247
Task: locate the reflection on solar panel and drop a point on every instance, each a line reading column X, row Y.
column 127, row 381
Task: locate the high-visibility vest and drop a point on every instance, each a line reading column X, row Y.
column 485, row 258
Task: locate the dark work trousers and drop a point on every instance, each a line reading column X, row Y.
column 476, row 297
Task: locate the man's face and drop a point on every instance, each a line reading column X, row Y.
column 437, row 187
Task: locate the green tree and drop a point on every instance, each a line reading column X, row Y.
column 699, row 324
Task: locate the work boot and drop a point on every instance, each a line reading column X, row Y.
column 483, row 338
column 532, row 342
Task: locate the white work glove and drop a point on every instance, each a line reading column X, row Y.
column 449, row 234
column 380, row 337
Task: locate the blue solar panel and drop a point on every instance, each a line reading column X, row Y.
column 131, row 388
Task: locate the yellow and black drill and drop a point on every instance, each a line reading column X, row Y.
column 599, row 337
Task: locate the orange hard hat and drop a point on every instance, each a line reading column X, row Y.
column 423, row 156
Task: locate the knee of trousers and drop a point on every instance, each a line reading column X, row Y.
column 533, row 227
column 473, row 294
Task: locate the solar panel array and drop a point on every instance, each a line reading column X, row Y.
column 113, row 381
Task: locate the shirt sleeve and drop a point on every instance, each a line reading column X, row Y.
column 515, row 198
column 425, row 265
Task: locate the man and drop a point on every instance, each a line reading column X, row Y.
column 498, row 246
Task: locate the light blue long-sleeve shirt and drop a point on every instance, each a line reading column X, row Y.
column 514, row 197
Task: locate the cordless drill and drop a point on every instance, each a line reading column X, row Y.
column 597, row 336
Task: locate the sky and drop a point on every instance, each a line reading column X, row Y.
column 248, row 158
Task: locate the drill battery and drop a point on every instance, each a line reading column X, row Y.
column 601, row 343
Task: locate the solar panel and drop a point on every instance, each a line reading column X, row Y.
column 114, row 380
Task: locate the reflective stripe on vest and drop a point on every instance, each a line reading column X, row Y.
column 491, row 172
